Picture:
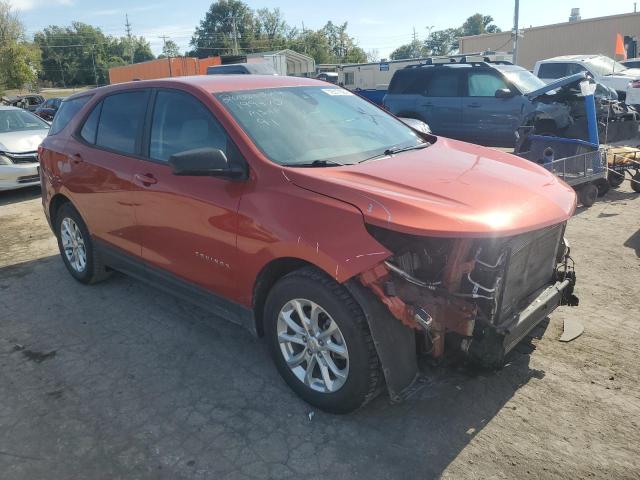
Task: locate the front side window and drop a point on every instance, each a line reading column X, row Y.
column 180, row 123
column 66, row 112
column 301, row 125
column 485, row 84
column 121, row 121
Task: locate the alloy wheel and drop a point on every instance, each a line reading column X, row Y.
column 312, row 345
column 73, row 244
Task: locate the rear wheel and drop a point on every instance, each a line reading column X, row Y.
column 320, row 342
column 603, row 187
column 588, row 195
column 615, row 178
column 76, row 248
column 635, row 185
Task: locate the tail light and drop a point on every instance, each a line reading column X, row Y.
column 635, row 84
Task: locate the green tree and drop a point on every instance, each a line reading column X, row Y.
column 170, row 49
column 415, row 49
column 478, row 24
column 82, row 54
column 19, row 59
column 226, row 24
column 442, row 42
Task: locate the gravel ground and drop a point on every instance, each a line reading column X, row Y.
column 118, row 380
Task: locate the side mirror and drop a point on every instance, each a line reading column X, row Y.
column 504, row 93
column 202, row 162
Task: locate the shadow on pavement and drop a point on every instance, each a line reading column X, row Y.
column 148, row 386
column 8, row 197
column 634, row 242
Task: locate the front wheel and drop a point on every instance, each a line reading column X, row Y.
column 76, row 248
column 321, row 343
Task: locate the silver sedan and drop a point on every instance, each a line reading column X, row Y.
column 20, row 134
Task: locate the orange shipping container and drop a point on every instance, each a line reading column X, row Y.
column 162, row 68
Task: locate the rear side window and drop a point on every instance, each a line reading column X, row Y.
column 121, row 121
column 409, row 81
column 180, row 123
column 90, row 127
column 485, row 84
column 66, row 112
column 444, row 82
column 552, row 70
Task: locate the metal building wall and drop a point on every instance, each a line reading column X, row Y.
column 590, row 36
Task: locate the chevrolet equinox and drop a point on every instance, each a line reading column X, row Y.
column 350, row 241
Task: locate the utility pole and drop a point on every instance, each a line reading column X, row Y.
column 64, row 85
column 93, row 59
column 414, row 44
column 235, row 36
column 127, row 27
column 164, row 42
column 516, row 32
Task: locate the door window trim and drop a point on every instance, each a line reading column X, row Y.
column 78, row 137
column 465, row 86
column 148, row 124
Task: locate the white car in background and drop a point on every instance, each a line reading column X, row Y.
column 625, row 81
column 21, row 132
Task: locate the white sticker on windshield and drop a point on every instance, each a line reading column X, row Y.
column 336, row 91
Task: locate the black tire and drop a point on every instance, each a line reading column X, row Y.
column 635, row 186
column 603, row 187
column 588, row 195
column 615, row 179
column 364, row 376
column 94, row 270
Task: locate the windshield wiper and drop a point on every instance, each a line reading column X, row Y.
column 395, row 149
column 317, row 164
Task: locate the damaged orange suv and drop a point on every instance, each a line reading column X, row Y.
column 313, row 218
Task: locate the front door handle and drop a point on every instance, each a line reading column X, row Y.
column 145, row 179
column 76, row 159
column 474, row 105
column 428, row 104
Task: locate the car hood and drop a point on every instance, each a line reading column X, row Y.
column 21, row 142
column 564, row 82
column 448, row 189
column 630, row 73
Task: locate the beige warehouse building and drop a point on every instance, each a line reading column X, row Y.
column 594, row 35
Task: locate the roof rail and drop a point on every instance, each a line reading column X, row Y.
column 473, row 60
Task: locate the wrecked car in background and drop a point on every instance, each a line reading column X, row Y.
column 312, row 217
column 561, row 111
column 485, row 102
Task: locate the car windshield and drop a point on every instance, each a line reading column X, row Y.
column 524, row 80
column 605, row 65
column 19, row 120
column 327, row 125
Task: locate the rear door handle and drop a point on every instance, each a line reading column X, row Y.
column 428, row 104
column 474, row 105
column 76, row 158
column 145, row 179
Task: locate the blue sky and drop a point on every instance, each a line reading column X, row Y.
column 375, row 24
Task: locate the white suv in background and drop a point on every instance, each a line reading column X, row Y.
column 625, row 81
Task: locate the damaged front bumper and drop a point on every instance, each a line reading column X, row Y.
column 478, row 297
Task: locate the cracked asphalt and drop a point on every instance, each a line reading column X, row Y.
column 120, row 381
